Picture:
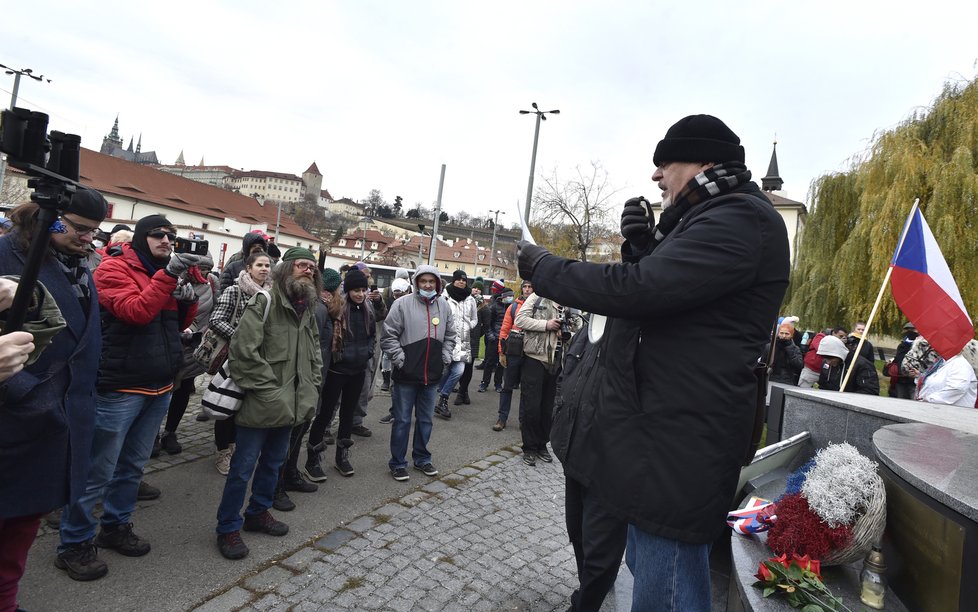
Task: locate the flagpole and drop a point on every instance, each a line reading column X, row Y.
column 879, row 298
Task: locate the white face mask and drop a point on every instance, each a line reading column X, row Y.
column 427, row 293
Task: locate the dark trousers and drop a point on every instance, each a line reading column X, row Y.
column 511, row 378
column 491, row 365
column 338, row 388
column 538, row 390
column 16, row 536
column 463, row 382
column 224, row 433
column 599, row 541
column 291, row 465
column 179, row 400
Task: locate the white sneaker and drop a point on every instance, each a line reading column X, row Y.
column 223, row 461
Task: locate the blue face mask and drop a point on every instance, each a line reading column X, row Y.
column 508, row 300
column 427, row 294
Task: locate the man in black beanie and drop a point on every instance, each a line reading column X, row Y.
column 144, row 306
column 656, row 453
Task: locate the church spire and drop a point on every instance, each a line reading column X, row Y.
column 772, row 182
column 139, row 143
column 180, row 161
column 114, row 134
column 130, row 145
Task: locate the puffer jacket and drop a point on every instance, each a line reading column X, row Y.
column 419, row 335
column 277, row 363
column 465, row 316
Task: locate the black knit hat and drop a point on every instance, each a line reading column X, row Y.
column 143, row 227
column 457, row 274
column 354, row 279
column 699, row 138
column 89, row 204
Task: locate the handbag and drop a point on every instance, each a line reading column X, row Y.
column 223, row 396
column 213, row 348
column 514, row 344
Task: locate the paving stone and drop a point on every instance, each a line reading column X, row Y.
column 469, row 471
column 452, row 479
column 361, row 524
column 302, row 558
column 334, row 539
column 482, row 465
column 268, row 579
column 435, row 486
column 391, row 510
column 235, row 597
column 413, row 499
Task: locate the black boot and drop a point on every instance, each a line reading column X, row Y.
column 282, row 502
column 343, row 465
column 386, row 385
column 441, row 409
column 293, row 481
column 313, row 470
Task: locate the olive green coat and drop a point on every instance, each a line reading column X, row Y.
column 277, row 363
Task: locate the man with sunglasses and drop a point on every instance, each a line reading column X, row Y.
column 47, row 409
column 144, row 307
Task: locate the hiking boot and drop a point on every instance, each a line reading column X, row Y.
column 544, row 455
column 500, row 425
column 223, row 461
column 400, row 474
column 427, row 469
column 293, row 481
column 386, row 385
column 362, row 431
column 483, row 386
column 265, row 523
column 343, row 457
column 147, row 492
column 157, row 447
column 328, row 438
column 387, row 419
column 202, row 417
column 465, row 398
column 169, row 443
column 231, row 545
column 441, row 408
column 121, row 539
column 462, row 397
column 529, row 458
column 313, row 468
column 282, row 502
column 81, row 562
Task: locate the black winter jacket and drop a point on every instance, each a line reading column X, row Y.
column 863, row 379
column 663, row 450
column 787, row 364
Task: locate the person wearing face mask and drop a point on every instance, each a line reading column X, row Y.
column 903, row 386
column 787, row 363
column 419, row 337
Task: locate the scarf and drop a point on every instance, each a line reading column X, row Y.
column 248, row 285
column 712, row 182
column 456, row 293
column 76, row 273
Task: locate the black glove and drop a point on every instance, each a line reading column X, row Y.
column 637, row 221
column 529, row 255
column 180, row 262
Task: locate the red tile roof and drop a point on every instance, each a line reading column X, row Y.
column 371, row 235
column 266, row 174
column 313, row 169
column 115, row 176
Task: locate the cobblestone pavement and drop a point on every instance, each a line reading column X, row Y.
column 487, row 537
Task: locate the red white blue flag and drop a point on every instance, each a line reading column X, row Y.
column 925, row 291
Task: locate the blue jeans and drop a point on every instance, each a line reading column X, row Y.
column 264, row 448
column 421, row 400
column 126, row 425
column 448, row 380
column 669, row 574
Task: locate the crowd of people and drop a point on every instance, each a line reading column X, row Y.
column 824, row 359
column 82, row 414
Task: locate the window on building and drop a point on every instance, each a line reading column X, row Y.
column 205, row 225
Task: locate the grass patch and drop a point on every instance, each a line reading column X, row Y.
column 382, row 518
column 352, row 583
column 447, row 559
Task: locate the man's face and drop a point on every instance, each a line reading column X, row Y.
column 841, row 334
column 673, row 176
column 527, row 289
column 304, row 270
column 859, row 329
column 426, row 282
column 460, row 283
column 784, row 334
column 160, row 241
column 81, row 232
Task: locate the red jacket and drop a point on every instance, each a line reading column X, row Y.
column 813, row 361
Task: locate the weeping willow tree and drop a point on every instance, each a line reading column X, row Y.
column 857, row 215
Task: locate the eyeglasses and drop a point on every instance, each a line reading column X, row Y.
column 81, row 230
column 305, row 266
column 171, row 236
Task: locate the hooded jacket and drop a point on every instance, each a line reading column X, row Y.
column 465, row 317
column 419, row 334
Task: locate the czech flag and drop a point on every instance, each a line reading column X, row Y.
column 925, row 291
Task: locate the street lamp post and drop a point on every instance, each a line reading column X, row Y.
column 420, row 242
column 541, row 116
column 13, row 99
column 363, row 240
column 492, row 248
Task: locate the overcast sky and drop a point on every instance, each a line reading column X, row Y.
column 380, row 94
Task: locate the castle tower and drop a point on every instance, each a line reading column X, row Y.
column 112, row 140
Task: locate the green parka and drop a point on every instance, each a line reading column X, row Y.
column 277, row 363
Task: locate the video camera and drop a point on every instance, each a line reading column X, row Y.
column 51, row 160
column 190, row 245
